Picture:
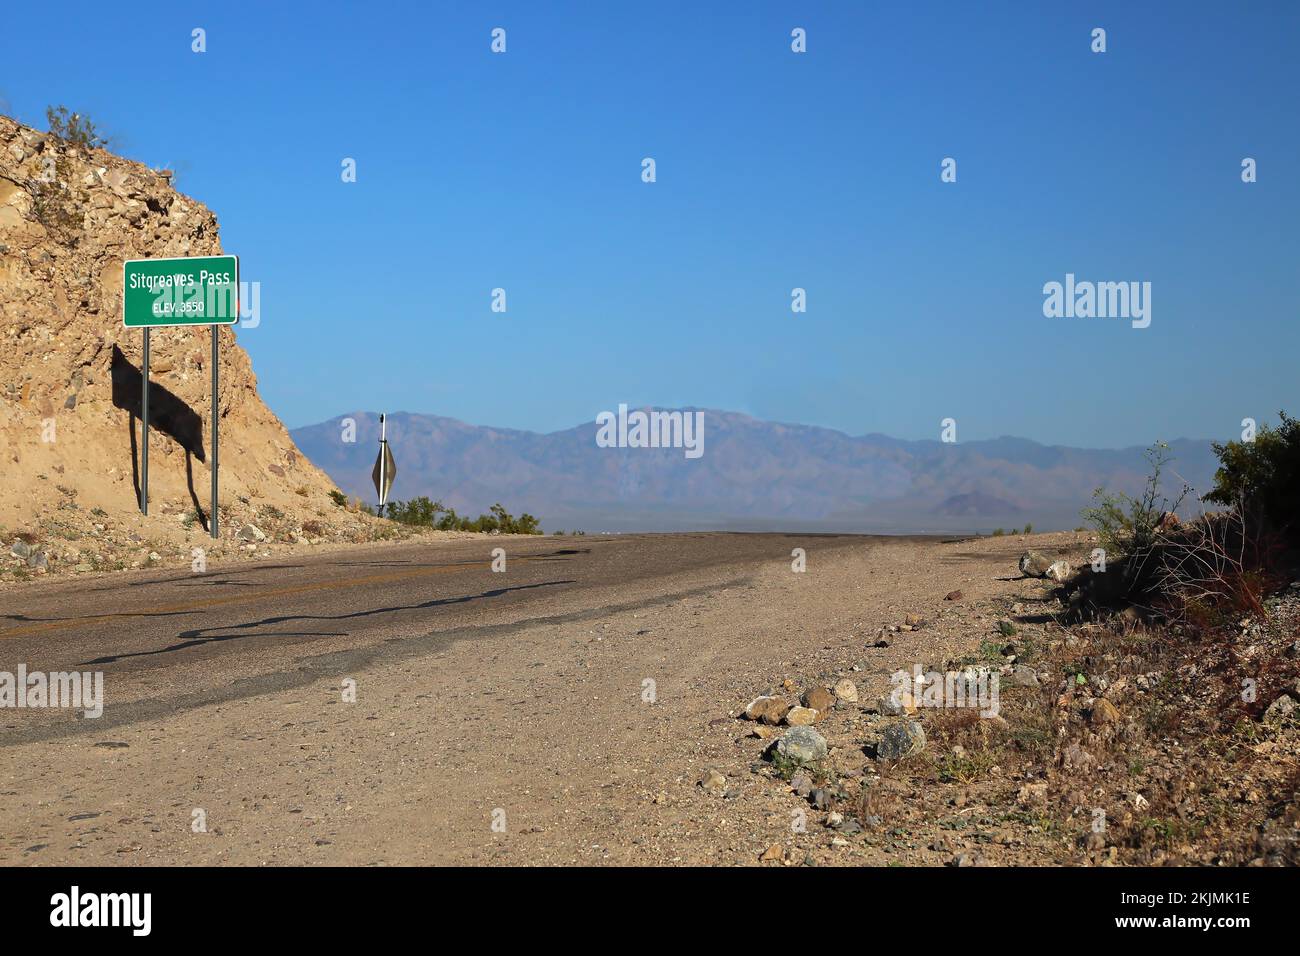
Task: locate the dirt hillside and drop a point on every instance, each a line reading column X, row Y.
column 70, row 371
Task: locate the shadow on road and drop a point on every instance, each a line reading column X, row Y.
column 197, row 638
column 191, row 579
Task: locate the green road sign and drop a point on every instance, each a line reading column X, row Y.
column 203, row 290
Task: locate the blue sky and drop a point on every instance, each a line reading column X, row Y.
column 775, row 170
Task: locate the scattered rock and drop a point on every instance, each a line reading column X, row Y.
column 846, row 690
column 1024, row 676
column 773, row 854
column 802, row 745
column 819, row 698
column 901, row 740
column 21, row 549
column 896, row 704
column 913, row 620
column 251, row 532
column 1103, row 712
column 769, row 710
column 849, row 827
column 1059, row 571
column 39, row 561
column 713, row 781
column 1034, row 565
column 1280, row 710
column 953, row 596
column 1032, row 795
column 801, row 716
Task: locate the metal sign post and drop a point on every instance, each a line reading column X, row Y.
column 216, row 355
column 385, row 469
column 144, row 428
column 383, row 463
column 198, row 290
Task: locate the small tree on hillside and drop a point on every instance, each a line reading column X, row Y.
column 75, row 129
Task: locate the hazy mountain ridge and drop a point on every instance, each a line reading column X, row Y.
column 753, row 474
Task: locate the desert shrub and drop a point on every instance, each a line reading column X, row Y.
column 1262, row 477
column 417, row 511
column 57, row 202
column 1209, row 571
column 508, row 524
column 339, row 498
column 73, row 128
column 434, row 514
column 1127, row 525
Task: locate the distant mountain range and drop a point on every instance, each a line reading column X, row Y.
column 752, row 475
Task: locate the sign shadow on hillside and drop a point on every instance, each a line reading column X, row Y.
column 168, row 414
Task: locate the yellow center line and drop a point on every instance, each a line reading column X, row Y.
column 246, row 598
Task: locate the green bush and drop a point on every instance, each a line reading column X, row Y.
column 1262, row 478
column 1126, row 525
column 434, row 514
column 58, row 203
column 73, row 128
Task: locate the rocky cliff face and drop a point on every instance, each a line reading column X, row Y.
column 70, row 371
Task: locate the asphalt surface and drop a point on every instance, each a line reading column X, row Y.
column 169, row 641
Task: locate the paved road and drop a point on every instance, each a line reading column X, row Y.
column 170, row 641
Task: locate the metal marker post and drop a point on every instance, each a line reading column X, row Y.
column 383, row 461
column 144, row 429
column 216, row 354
